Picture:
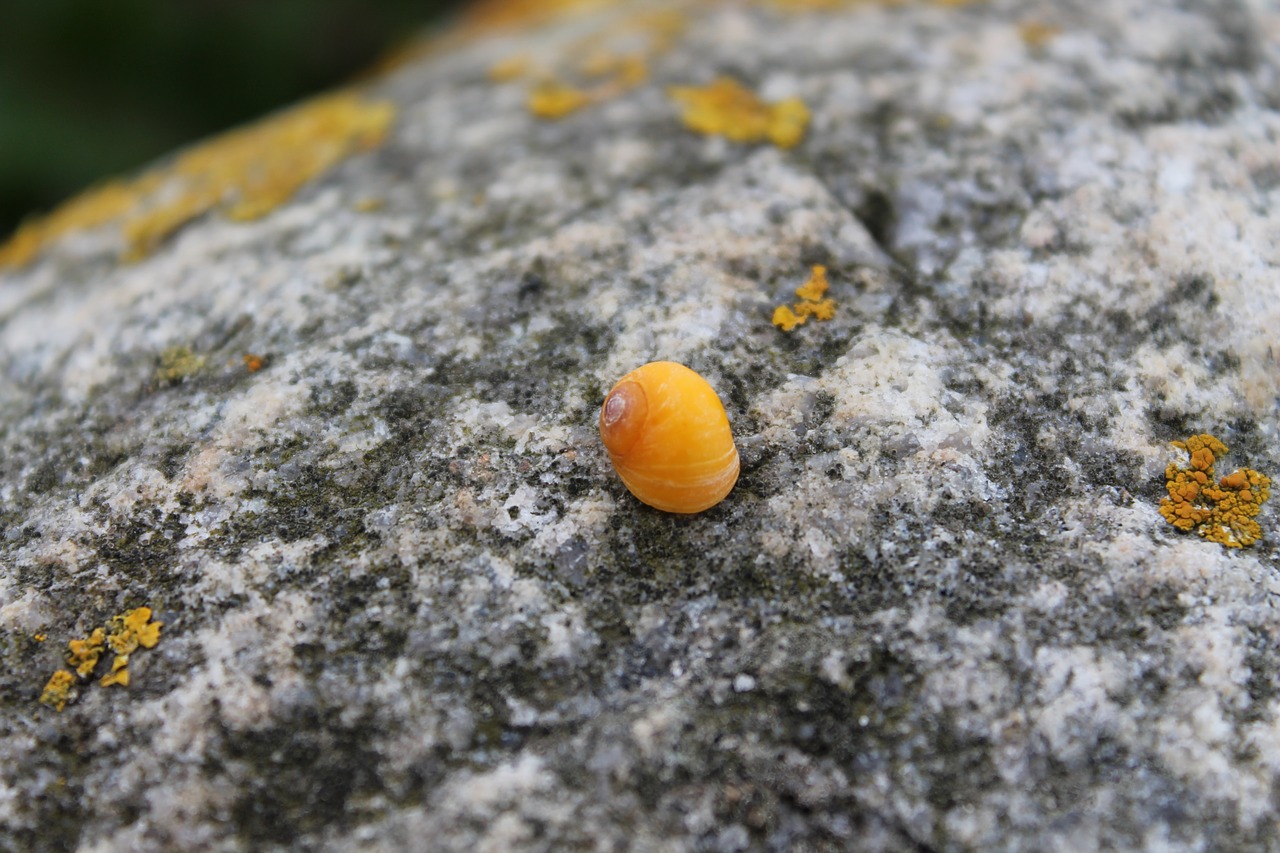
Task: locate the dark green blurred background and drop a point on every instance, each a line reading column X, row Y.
column 90, row 88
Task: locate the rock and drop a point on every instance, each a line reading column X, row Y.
column 322, row 395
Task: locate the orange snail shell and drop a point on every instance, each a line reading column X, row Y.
column 669, row 439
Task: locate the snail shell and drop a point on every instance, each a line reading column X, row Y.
column 669, row 439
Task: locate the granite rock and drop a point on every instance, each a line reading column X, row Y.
column 408, row 605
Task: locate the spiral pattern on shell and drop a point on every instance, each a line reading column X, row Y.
column 669, row 439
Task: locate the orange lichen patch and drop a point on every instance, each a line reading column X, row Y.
column 823, row 310
column 1035, row 34
column 727, row 108
column 253, row 363
column 815, row 288
column 1235, row 480
column 785, row 319
column 1221, row 512
column 813, row 303
column 82, row 655
column 246, row 173
column 58, row 690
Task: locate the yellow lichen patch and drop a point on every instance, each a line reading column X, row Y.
column 119, row 673
column 822, row 310
column 58, row 690
column 834, row 5
column 813, row 303
column 605, row 63
column 727, row 108
column 82, row 655
column 124, row 634
column 522, row 14
column 91, row 209
column 511, row 68
column 658, row 28
column 246, row 173
column 177, row 363
column 820, row 5
column 128, row 631
column 133, row 629
column 553, row 99
column 630, row 71
column 1035, row 34
column 1221, row 511
column 626, row 69
column 607, row 60
column 788, row 121
column 262, row 166
column 482, row 19
column 39, row 638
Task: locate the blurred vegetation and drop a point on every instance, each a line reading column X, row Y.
column 91, row 88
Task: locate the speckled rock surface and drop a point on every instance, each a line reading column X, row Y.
column 406, row 602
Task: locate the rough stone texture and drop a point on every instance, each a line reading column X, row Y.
column 407, row 603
